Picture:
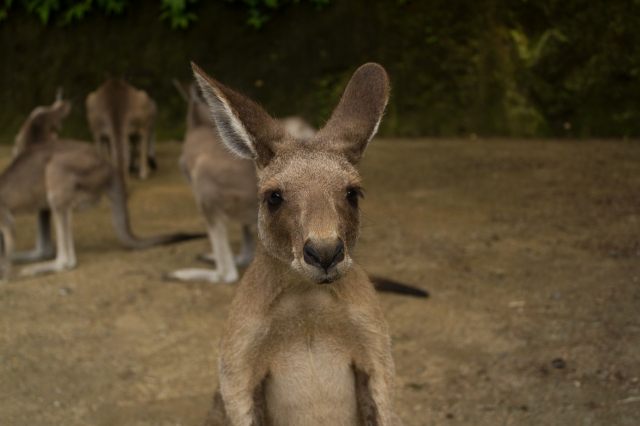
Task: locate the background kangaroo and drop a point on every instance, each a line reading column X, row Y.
column 305, row 342
column 43, row 125
column 224, row 187
column 124, row 117
column 58, row 175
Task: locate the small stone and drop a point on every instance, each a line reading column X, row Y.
column 558, row 363
column 64, row 291
column 56, row 404
column 555, row 296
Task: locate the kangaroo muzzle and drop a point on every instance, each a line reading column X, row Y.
column 324, row 256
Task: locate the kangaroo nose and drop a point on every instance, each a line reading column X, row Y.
column 323, row 256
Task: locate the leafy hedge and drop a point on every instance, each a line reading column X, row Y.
column 485, row 67
column 175, row 11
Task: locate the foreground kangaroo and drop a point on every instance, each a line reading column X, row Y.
column 124, row 116
column 225, row 188
column 58, row 175
column 305, row 343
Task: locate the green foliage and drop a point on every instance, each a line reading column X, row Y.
column 489, row 67
column 260, row 10
column 174, row 11
column 71, row 9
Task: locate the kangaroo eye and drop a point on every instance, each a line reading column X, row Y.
column 274, row 199
column 352, row 196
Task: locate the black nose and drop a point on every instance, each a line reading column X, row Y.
column 323, row 256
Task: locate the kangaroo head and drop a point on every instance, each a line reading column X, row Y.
column 43, row 124
column 308, row 190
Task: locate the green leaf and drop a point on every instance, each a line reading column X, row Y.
column 175, row 11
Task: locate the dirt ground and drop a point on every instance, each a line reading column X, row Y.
column 530, row 250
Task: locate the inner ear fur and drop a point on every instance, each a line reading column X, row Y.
column 355, row 120
column 246, row 128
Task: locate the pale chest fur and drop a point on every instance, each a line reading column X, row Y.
column 310, row 379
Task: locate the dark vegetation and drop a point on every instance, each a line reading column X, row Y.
column 486, row 67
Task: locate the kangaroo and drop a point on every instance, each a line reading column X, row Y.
column 224, row 186
column 306, row 342
column 124, row 117
column 43, row 123
column 55, row 176
column 298, row 127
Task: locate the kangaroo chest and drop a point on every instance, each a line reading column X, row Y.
column 310, row 379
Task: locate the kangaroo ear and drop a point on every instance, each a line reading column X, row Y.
column 184, row 94
column 60, row 93
column 245, row 128
column 61, row 108
column 194, row 92
column 356, row 118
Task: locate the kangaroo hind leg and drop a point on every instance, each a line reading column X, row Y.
column 248, row 250
column 225, row 271
column 44, row 246
column 65, row 257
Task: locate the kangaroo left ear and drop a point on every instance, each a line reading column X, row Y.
column 245, row 128
column 357, row 117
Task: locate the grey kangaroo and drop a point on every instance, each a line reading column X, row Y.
column 55, row 176
column 124, row 117
column 225, row 188
column 305, row 343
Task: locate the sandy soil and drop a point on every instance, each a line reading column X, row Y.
column 530, row 249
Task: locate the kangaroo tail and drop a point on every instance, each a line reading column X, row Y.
column 390, row 286
column 120, row 215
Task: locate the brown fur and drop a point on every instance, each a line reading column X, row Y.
column 306, row 342
column 43, row 124
column 53, row 177
column 125, row 117
column 224, row 187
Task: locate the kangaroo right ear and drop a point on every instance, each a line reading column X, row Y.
column 245, row 128
column 356, row 118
